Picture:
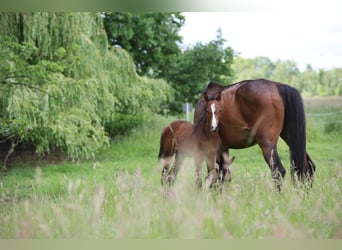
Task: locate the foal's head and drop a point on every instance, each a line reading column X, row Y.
column 213, row 109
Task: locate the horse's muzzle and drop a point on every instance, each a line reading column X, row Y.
column 214, row 129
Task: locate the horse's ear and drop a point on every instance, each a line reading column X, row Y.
column 210, row 84
column 226, row 161
column 218, row 97
column 231, row 160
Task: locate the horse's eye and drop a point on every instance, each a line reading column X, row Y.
column 206, row 110
column 220, row 110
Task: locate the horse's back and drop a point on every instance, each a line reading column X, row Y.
column 253, row 110
column 183, row 134
column 181, row 127
column 174, row 136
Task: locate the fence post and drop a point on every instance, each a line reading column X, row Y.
column 187, row 108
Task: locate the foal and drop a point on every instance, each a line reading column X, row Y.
column 181, row 139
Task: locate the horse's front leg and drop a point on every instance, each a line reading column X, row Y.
column 198, row 159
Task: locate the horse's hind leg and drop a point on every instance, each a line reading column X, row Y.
column 271, row 156
column 171, row 169
column 221, row 161
column 179, row 158
column 309, row 170
column 168, row 164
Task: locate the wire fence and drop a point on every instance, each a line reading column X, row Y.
column 327, row 114
column 324, row 114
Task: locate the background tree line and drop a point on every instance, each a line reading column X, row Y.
column 189, row 69
column 310, row 82
column 74, row 80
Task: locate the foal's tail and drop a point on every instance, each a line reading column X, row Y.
column 167, row 143
column 294, row 130
column 161, row 147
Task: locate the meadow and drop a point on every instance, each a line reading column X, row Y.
column 118, row 194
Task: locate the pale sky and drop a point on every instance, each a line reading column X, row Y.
column 305, row 37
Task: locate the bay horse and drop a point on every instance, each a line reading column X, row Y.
column 181, row 139
column 259, row 112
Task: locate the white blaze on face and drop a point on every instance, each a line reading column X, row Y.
column 213, row 120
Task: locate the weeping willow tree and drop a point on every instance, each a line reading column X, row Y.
column 60, row 83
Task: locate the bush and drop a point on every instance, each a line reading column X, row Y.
column 124, row 123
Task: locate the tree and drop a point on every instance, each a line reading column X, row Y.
column 151, row 38
column 196, row 66
column 262, row 67
column 329, row 82
column 153, row 41
column 61, row 84
column 287, row 72
column 253, row 68
column 308, row 81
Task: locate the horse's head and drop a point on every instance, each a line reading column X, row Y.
column 213, row 109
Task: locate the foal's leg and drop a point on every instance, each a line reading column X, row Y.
column 174, row 171
column 271, row 156
column 212, row 176
column 198, row 159
column 167, row 162
column 171, row 168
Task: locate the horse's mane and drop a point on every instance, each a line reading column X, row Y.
column 212, row 89
column 215, row 85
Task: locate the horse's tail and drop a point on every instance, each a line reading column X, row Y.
column 167, row 143
column 161, row 147
column 294, row 129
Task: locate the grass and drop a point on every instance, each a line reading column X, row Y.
column 118, row 195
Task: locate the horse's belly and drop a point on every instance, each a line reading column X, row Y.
column 240, row 145
column 186, row 147
column 237, row 138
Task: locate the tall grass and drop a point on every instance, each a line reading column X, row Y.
column 119, row 195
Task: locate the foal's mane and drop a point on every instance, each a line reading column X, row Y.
column 200, row 122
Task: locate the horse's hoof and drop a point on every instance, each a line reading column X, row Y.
column 167, row 179
column 211, row 179
column 170, row 180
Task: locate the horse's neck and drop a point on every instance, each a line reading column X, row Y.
column 206, row 129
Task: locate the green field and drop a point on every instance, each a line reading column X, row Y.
column 118, row 195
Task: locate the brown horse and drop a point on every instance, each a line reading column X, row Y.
column 258, row 112
column 181, row 139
